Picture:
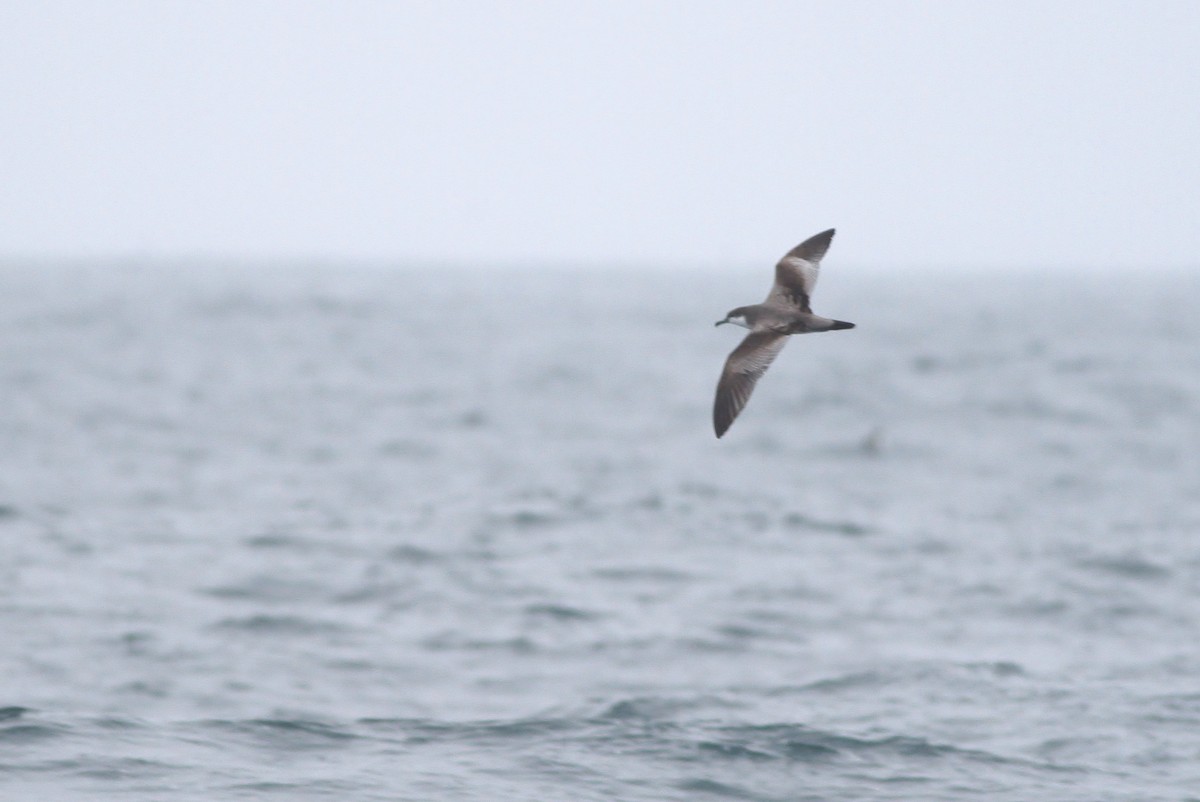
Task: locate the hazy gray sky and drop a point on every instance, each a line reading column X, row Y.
column 944, row 133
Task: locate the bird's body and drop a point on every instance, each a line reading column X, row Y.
column 786, row 311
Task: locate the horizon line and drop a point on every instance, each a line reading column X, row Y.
column 178, row 259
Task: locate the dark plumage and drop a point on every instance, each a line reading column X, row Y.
column 786, row 311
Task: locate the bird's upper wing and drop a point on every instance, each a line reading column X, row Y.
column 743, row 368
column 796, row 273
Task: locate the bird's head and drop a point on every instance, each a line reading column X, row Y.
column 737, row 317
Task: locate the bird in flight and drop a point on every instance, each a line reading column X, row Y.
column 786, row 311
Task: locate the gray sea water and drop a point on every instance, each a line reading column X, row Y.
column 322, row 533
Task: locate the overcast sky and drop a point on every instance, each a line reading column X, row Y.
column 940, row 133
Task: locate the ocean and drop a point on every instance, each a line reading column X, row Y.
column 322, row 532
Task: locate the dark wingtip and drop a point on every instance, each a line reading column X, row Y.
column 841, row 324
column 815, row 246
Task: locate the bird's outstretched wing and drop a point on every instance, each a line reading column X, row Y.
column 796, row 273
column 743, row 368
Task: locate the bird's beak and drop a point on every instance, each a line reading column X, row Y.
column 719, row 322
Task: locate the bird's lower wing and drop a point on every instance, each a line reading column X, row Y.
column 743, row 368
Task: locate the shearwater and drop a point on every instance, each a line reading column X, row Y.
column 786, row 311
